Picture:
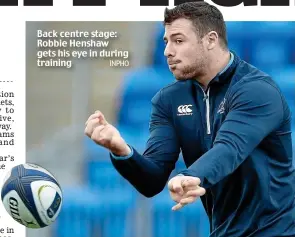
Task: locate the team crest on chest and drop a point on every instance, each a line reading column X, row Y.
column 221, row 108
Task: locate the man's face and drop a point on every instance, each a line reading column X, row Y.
column 185, row 51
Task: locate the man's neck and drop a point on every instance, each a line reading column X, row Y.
column 217, row 64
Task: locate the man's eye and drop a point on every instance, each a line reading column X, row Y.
column 178, row 41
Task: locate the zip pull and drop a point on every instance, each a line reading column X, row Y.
column 206, row 99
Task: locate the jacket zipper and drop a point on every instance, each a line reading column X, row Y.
column 206, row 98
column 208, row 112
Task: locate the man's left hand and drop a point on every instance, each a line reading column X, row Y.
column 184, row 190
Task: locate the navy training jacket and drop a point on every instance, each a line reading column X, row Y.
column 236, row 137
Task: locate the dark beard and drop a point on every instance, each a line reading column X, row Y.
column 189, row 72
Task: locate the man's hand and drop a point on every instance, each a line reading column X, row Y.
column 106, row 135
column 184, row 190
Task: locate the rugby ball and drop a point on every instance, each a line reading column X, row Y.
column 31, row 196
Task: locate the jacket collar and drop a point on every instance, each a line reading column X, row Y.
column 232, row 56
column 223, row 76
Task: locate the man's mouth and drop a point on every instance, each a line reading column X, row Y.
column 173, row 63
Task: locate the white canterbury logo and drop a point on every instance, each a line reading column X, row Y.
column 184, row 110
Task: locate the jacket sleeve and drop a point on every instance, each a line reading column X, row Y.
column 255, row 109
column 149, row 172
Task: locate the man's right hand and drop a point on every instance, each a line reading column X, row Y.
column 106, row 135
column 185, row 190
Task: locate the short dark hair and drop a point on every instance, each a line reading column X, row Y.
column 205, row 17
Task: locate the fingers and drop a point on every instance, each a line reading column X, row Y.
column 175, row 185
column 178, row 206
column 97, row 131
column 95, row 120
column 188, row 189
column 90, row 127
column 93, row 116
column 179, row 183
column 103, row 121
column 196, row 193
column 187, row 200
column 93, row 125
column 191, row 182
column 97, row 115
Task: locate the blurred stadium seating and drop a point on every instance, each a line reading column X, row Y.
column 106, row 205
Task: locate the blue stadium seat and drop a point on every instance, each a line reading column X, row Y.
column 235, row 29
column 235, row 33
column 101, row 175
column 93, row 151
column 189, row 221
column 237, row 47
column 277, row 29
column 165, row 222
column 81, row 206
column 119, row 214
column 263, row 44
column 268, row 54
column 88, row 213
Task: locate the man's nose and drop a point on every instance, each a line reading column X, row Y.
column 168, row 52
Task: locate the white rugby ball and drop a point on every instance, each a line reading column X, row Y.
column 31, row 195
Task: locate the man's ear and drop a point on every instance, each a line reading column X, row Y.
column 212, row 39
